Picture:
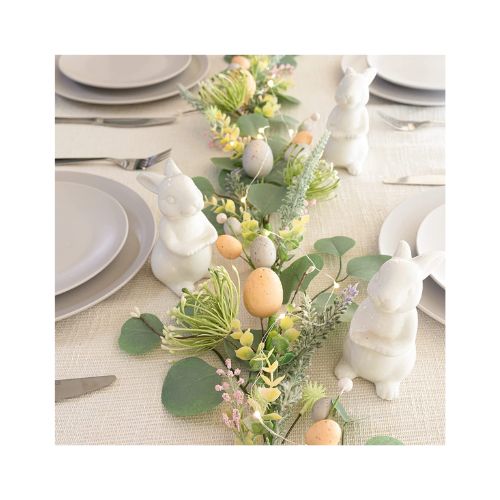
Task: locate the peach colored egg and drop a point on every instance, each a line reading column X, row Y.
column 242, row 61
column 228, row 246
column 324, row 432
column 262, row 293
column 303, row 137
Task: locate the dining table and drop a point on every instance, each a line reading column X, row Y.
column 130, row 411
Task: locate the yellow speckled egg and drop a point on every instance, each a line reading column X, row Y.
column 303, row 137
column 263, row 293
column 242, row 61
column 228, row 246
column 324, row 432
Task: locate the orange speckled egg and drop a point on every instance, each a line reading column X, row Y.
column 324, row 432
column 242, row 61
column 228, row 246
column 303, row 137
column 262, row 293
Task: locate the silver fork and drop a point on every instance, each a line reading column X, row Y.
column 406, row 125
column 126, row 163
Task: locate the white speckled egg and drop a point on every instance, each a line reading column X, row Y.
column 257, row 159
column 262, row 252
column 232, row 226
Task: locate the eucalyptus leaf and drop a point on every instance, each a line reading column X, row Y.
column 277, row 144
column 212, row 217
column 341, row 411
column 285, row 121
column 266, row 198
column 288, row 99
column 205, row 186
column 365, row 267
column 225, row 163
column 338, row 245
column 141, row 335
column 189, row 388
column 250, row 124
column 292, row 275
column 228, row 58
column 276, row 175
column 288, row 59
column 383, row 440
column 347, row 316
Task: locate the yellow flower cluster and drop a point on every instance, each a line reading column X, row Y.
column 226, row 134
column 297, row 229
column 269, row 106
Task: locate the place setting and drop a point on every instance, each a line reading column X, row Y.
column 249, row 292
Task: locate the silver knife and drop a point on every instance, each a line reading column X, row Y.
column 122, row 122
column 419, row 180
column 74, row 387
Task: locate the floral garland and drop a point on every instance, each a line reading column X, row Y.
column 271, row 179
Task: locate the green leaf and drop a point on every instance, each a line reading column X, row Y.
column 141, row 335
column 249, row 125
column 231, row 345
column 365, row 267
column 280, row 344
column 223, row 175
column 189, row 388
column 342, row 412
column 347, row 316
column 212, row 217
column 288, row 60
column 338, row 245
column 228, row 58
column 383, row 440
column 276, row 175
column 292, row 275
column 204, row 185
column 266, row 198
column 277, row 144
column 284, row 121
column 225, row 163
column 284, row 360
column 288, row 99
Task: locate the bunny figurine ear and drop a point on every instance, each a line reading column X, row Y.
column 428, row 262
column 403, row 251
column 151, row 181
column 370, row 74
column 171, row 169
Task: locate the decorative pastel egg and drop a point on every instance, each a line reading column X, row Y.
column 321, row 409
column 232, row 226
column 303, row 137
column 241, row 61
column 324, row 432
column 262, row 252
column 257, row 159
column 262, row 293
column 228, row 246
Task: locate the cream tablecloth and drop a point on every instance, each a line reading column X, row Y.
column 130, row 411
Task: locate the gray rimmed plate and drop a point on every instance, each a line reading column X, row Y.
column 65, row 87
column 135, row 251
column 392, row 92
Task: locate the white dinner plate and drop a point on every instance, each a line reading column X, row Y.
column 392, row 92
column 419, row 72
column 122, row 71
column 91, row 228
column 402, row 224
column 431, row 236
column 135, row 251
column 69, row 89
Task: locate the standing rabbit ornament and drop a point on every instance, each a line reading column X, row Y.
column 380, row 345
column 183, row 252
column 349, row 123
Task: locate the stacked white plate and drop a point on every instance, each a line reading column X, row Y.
column 415, row 80
column 420, row 221
column 126, row 79
column 104, row 234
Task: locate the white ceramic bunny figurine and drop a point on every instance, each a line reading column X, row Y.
column 183, row 252
column 380, row 346
column 348, row 122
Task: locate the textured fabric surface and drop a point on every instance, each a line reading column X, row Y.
column 130, row 411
